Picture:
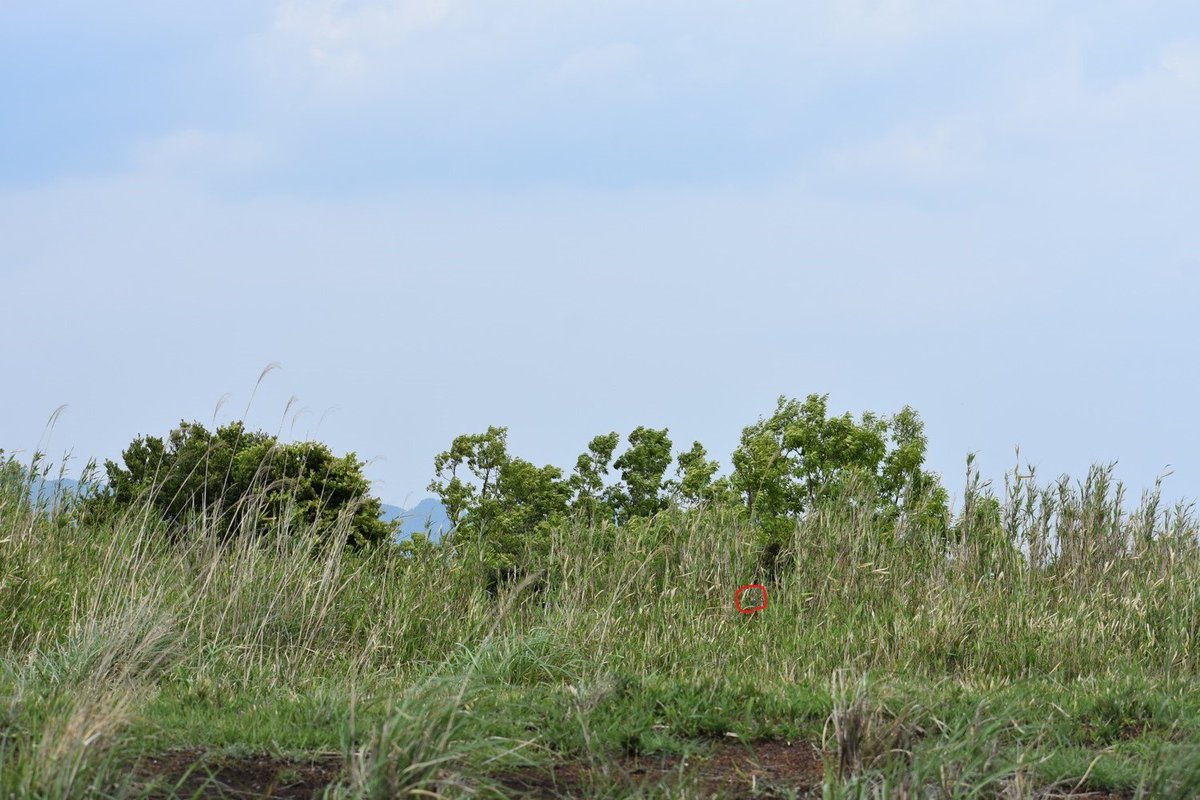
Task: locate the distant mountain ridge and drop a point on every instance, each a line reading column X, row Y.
column 46, row 489
column 429, row 515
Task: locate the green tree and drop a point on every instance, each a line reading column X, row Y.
column 765, row 468
column 234, row 480
column 590, row 497
column 13, row 483
column 800, row 456
column 906, row 490
column 530, row 501
column 509, row 503
column 473, row 456
column 642, row 466
column 694, row 477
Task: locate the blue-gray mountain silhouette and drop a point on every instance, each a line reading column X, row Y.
column 429, row 515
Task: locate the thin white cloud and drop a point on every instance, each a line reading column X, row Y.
column 197, row 152
column 1049, row 125
column 948, row 150
column 1166, row 88
column 597, row 63
column 336, row 42
column 373, row 47
column 902, row 22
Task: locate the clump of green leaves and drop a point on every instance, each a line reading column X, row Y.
column 234, row 481
column 800, row 457
column 786, row 466
column 13, row 487
column 488, row 492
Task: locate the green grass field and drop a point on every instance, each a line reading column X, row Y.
column 1055, row 655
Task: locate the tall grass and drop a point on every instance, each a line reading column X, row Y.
column 100, row 621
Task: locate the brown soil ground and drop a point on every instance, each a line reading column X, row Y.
column 196, row 774
column 763, row 770
column 727, row 770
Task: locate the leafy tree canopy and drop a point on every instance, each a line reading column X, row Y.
column 642, row 467
column 484, row 489
column 785, row 465
column 799, row 456
column 590, row 497
column 237, row 480
column 12, row 480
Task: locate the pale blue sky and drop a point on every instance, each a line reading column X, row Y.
column 571, row 217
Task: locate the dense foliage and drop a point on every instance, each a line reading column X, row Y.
column 236, row 481
column 800, row 457
column 785, row 465
column 12, row 477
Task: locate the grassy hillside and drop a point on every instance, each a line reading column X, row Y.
column 1053, row 653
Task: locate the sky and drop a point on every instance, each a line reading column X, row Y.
column 569, row 218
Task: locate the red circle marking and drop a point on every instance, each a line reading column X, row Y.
column 737, row 598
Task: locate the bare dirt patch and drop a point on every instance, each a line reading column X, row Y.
column 194, row 773
column 729, row 769
column 733, row 770
column 726, row 769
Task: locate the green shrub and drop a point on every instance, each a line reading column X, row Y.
column 234, row 481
